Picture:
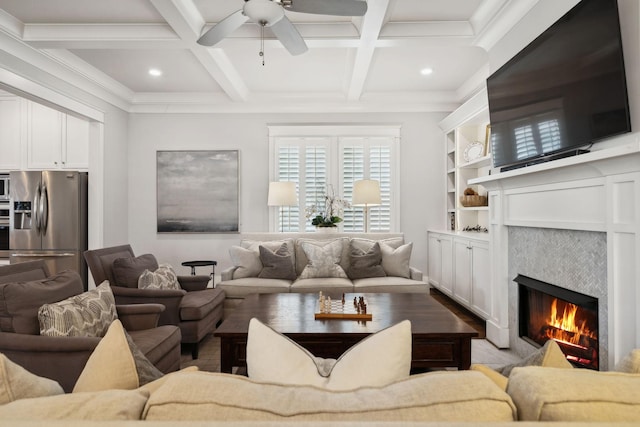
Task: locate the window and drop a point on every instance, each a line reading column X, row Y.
column 347, row 155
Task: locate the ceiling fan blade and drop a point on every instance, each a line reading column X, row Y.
column 289, row 36
column 223, row 28
column 328, row 7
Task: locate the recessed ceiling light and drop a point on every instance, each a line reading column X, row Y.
column 155, row 72
column 426, row 71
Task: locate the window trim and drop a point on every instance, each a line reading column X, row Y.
column 334, row 132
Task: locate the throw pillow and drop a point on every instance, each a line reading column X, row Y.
column 499, row 379
column 365, row 264
column 395, row 262
column 18, row 383
column 126, row 271
column 88, row 314
column 324, row 261
column 549, row 355
column 246, row 261
column 276, row 265
column 366, row 244
column 630, row 364
column 116, row 363
column 378, row 360
column 162, row 278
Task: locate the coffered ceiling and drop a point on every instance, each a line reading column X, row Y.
column 353, row 64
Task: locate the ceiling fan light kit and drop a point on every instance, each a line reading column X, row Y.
column 271, row 13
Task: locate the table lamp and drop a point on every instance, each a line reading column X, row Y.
column 282, row 193
column 366, row 192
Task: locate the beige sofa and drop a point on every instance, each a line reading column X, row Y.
column 237, row 286
column 436, row 398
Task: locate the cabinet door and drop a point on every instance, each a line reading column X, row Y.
column 10, row 130
column 480, row 278
column 45, row 137
column 462, row 271
column 446, row 265
column 435, row 262
column 75, row 148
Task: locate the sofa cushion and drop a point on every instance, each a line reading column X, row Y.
column 432, row 397
column 365, row 263
column 323, row 260
column 164, row 277
column 366, row 244
column 88, row 314
column 556, row 394
column 246, row 261
column 630, row 363
column 395, row 261
column 549, row 355
column 331, row 285
column 20, row 301
column 127, row 270
column 116, row 363
column 18, row 383
column 240, row 288
column 278, row 264
column 103, row 405
column 198, row 304
column 389, row 284
column 253, row 245
column 377, row 360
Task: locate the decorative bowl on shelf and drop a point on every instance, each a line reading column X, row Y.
column 474, row 201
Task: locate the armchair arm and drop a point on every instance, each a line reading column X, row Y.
column 193, row 283
column 227, row 273
column 136, row 317
column 61, row 359
column 169, row 298
column 415, row 273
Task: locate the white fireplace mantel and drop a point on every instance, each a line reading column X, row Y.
column 597, row 191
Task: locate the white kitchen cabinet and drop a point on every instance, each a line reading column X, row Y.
column 55, row 140
column 11, row 131
column 440, row 268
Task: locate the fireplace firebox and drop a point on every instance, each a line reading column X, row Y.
column 570, row 318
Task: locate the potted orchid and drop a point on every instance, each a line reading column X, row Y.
column 330, row 213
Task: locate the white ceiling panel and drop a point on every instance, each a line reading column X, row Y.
column 81, row 11
column 432, row 10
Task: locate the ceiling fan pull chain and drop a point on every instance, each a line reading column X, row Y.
column 262, row 42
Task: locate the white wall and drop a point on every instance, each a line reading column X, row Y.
column 421, row 180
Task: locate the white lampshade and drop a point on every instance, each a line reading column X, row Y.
column 366, row 192
column 282, row 193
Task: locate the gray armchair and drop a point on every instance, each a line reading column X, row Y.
column 63, row 358
column 194, row 308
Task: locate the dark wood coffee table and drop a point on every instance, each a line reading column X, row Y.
column 440, row 339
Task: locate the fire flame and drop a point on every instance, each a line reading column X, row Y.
column 565, row 327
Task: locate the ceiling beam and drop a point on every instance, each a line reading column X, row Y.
column 186, row 21
column 371, row 25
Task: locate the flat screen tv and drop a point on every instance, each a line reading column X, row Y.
column 564, row 91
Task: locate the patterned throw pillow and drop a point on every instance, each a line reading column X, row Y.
column 276, row 265
column 324, row 261
column 163, row 278
column 85, row 315
column 365, row 264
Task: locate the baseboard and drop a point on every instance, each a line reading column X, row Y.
column 497, row 335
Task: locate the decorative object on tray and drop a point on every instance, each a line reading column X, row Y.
column 329, row 214
column 477, row 229
column 473, row 151
column 342, row 309
column 472, row 199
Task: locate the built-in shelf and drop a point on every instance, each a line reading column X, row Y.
column 477, row 163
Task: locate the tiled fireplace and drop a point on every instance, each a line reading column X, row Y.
column 573, row 223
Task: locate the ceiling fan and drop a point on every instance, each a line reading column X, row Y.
column 270, row 13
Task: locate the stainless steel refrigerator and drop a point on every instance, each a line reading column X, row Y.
column 48, row 219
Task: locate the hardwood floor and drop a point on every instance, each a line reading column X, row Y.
column 467, row 316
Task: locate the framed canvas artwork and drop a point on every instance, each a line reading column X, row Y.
column 198, row 191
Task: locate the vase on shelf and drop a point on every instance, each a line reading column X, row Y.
column 327, row 229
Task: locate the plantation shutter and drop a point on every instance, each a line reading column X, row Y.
column 289, row 170
column 316, row 176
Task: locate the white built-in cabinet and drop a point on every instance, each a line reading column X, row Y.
column 34, row 136
column 459, row 266
column 55, row 140
column 10, row 132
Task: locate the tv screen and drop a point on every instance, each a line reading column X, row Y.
column 565, row 90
